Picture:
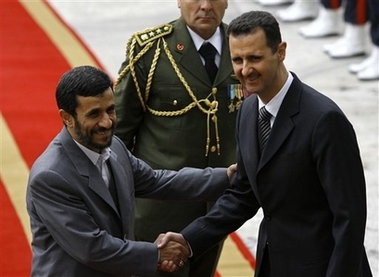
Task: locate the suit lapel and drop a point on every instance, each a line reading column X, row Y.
column 225, row 69
column 187, row 56
column 123, row 193
column 283, row 124
column 97, row 184
column 86, row 168
column 247, row 129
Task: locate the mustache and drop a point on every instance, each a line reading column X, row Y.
column 103, row 129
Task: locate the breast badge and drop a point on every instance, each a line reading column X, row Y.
column 235, row 95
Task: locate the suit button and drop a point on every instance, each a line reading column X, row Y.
column 268, row 217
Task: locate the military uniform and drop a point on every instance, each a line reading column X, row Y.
column 171, row 116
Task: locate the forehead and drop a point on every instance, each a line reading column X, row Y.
column 248, row 42
column 101, row 101
column 190, row 3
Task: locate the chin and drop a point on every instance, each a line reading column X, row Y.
column 247, row 93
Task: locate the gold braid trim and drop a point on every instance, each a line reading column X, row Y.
column 151, row 71
column 130, row 47
column 211, row 107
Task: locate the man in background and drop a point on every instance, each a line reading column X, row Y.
column 176, row 106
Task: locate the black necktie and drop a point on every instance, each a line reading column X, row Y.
column 208, row 52
column 264, row 127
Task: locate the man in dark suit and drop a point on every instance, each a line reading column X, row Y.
column 81, row 190
column 307, row 177
column 172, row 114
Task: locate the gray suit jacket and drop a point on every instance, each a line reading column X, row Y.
column 77, row 229
column 310, row 184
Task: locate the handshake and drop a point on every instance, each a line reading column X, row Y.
column 173, row 248
column 173, row 251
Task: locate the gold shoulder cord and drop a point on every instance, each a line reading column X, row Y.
column 205, row 105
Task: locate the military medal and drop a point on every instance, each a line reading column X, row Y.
column 231, row 94
column 239, row 96
column 235, row 94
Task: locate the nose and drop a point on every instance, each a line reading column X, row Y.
column 106, row 121
column 245, row 69
column 205, row 4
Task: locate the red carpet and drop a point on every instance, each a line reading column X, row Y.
column 15, row 251
column 31, row 65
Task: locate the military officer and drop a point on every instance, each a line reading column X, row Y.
column 172, row 114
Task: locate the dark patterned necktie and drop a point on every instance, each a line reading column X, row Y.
column 208, row 52
column 264, row 127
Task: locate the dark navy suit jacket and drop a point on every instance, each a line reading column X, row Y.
column 310, row 183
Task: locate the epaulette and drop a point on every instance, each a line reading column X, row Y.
column 151, row 34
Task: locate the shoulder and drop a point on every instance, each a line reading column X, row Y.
column 152, row 34
column 309, row 95
column 118, row 146
column 249, row 102
column 313, row 104
column 224, row 27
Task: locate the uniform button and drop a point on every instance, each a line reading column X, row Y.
column 213, row 148
column 175, row 102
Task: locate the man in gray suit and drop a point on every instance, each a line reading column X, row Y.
column 81, row 190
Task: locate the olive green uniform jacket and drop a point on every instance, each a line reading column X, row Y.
column 166, row 112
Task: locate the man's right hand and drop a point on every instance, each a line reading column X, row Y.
column 173, row 250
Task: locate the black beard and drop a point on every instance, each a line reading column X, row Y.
column 85, row 139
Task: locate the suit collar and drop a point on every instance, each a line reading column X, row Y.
column 283, row 124
column 247, row 130
column 247, row 124
column 87, row 169
column 76, row 155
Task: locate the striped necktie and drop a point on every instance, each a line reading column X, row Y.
column 264, row 127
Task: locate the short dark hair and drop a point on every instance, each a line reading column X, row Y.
column 83, row 81
column 252, row 21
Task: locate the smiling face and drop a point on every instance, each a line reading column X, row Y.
column 258, row 69
column 95, row 120
column 203, row 16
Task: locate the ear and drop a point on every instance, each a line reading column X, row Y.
column 66, row 117
column 282, row 51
